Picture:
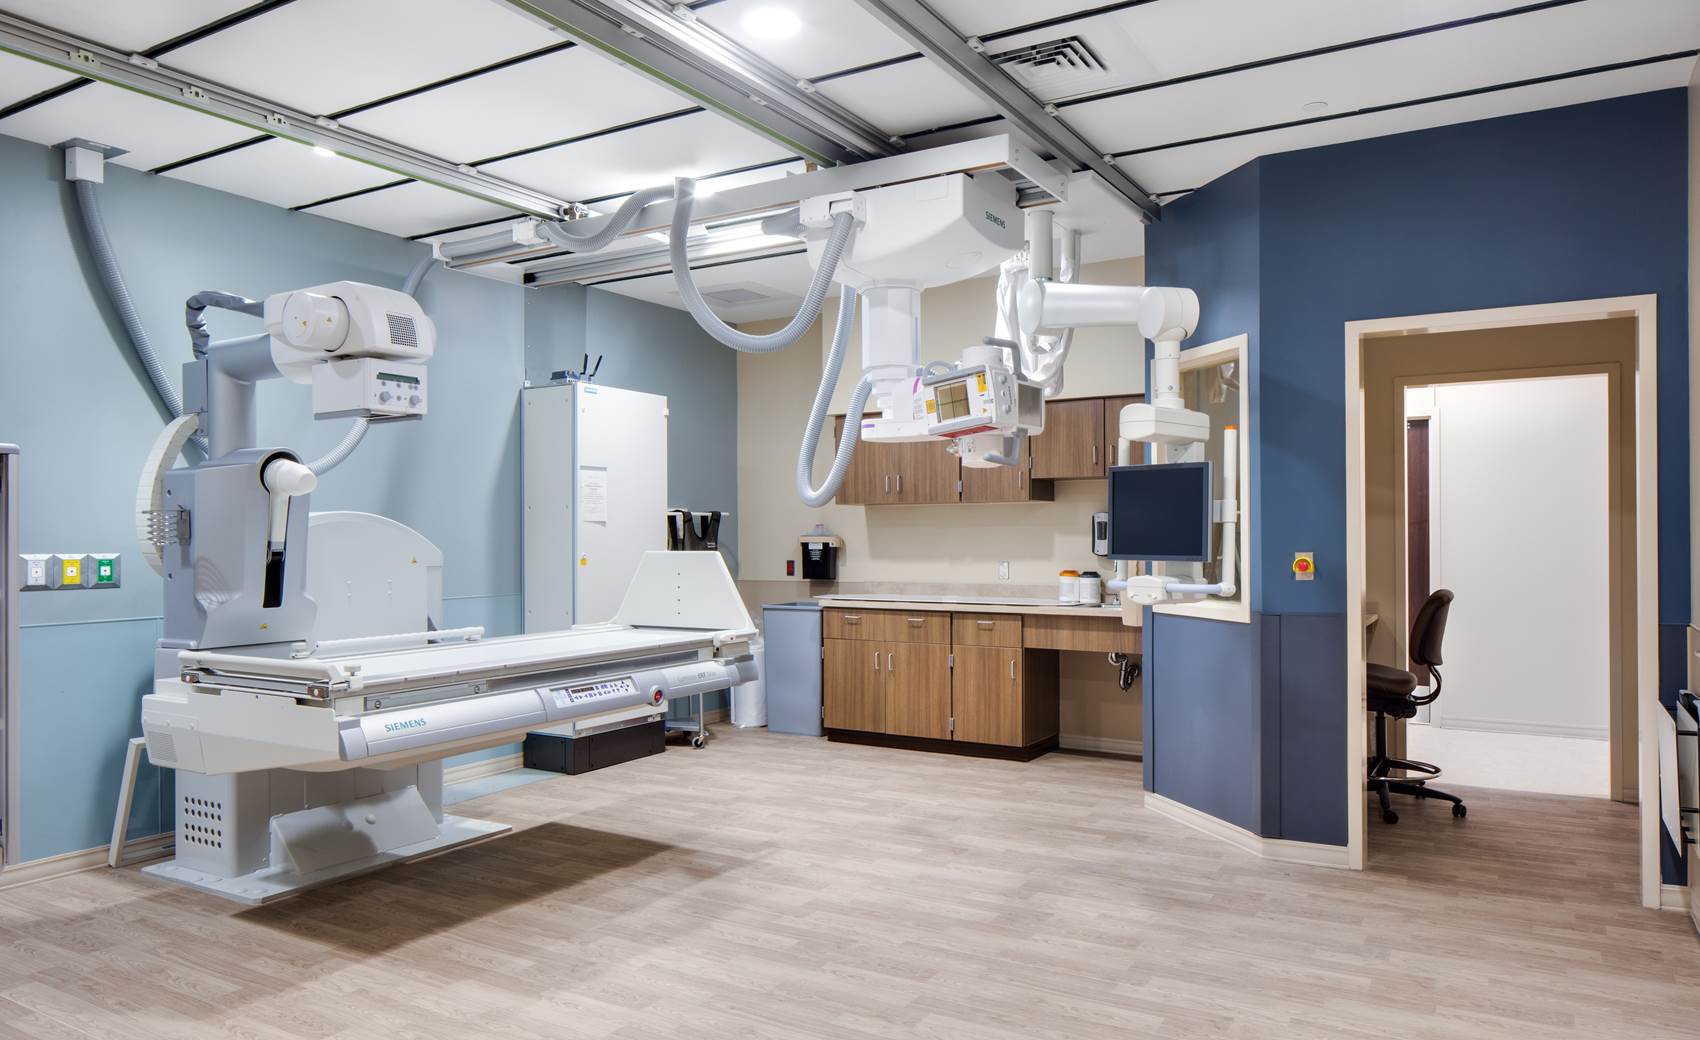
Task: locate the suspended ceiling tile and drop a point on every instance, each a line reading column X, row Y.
column 1196, row 165
column 1557, row 40
column 151, row 131
column 835, row 34
column 686, row 146
column 22, row 78
column 901, row 99
column 322, row 56
column 411, row 209
column 1197, row 35
column 778, row 281
column 556, row 96
column 282, row 173
column 135, row 26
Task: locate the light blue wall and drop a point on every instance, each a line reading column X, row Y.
column 80, row 408
column 657, row 350
column 82, row 413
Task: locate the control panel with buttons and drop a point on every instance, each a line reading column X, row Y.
column 371, row 388
column 47, row 572
column 569, row 695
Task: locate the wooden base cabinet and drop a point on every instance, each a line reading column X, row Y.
column 944, row 681
column 1004, row 696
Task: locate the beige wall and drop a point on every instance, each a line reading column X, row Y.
column 946, row 543
column 954, row 544
column 1101, row 363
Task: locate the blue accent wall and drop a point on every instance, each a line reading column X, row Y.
column 1572, row 203
column 80, row 408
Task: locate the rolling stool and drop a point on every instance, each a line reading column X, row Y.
column 1391, row 693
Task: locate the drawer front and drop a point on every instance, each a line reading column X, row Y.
column 891, row 626
column 915, row 626
column 1061, row 632
column 850, row 624
column 986, row 629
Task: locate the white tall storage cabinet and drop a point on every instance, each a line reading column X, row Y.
column 595, row 469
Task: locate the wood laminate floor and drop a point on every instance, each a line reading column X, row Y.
column 783, row 887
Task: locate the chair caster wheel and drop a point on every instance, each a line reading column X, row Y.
column 698, row 742
column 1459, row 811
column 1390, row 817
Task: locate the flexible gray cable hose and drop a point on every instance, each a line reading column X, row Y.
column 118, row 293
column 558, row 233
column 812, row 496
column 357, row 432
column 195, row 318
column 842, row 225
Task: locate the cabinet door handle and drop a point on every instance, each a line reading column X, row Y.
column 1012, row 668
column 900, row 483
column 876, row 660
column 1094, row 454
column 888, row 483
column 852, row 619
column 985, row 624
column 917, row 622
column 888, row 665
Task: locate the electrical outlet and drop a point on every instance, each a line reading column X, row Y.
column 1003, row 570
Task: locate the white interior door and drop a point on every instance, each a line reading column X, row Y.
column 619, row 493
column 1521, row 537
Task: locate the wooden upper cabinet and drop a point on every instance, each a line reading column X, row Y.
column 883, row 473
column 868, row 480
column 1006, row 483
column 925, row 472
column 1073, row 442
column 1112, row 428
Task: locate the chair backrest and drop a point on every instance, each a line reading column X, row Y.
column 1429, row 628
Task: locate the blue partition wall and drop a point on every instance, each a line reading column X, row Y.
column 1573, row 203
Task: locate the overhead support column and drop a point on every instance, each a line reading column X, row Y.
column 672, row 46
column 938, row 40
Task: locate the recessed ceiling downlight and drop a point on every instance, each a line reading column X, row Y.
column 772, row 23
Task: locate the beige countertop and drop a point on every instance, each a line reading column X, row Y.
column 959, row 607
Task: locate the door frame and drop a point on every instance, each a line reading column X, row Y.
column 1644, row 310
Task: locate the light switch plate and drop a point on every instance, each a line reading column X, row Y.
column 1003, row 570
column 35, row 571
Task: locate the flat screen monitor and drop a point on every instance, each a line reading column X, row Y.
column 1160, row 512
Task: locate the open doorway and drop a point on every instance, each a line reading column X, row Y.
column 1507, row 503
column 1614, row 340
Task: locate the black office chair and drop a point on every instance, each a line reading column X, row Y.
column 1390, row 692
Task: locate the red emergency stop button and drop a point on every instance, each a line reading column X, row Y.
column 656, row 694
column 1304, row 566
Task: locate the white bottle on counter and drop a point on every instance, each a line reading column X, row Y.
column 1068, row 587
column 1091, row 588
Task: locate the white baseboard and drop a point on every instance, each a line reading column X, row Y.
column 1277, row 849
column 1674, row 897
column 1102, row 745
column 136, row 850
column 1528, row 729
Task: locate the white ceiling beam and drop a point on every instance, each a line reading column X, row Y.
column 675, row 49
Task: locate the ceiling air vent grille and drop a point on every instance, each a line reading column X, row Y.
column 729, row 297
column 1055, row 68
